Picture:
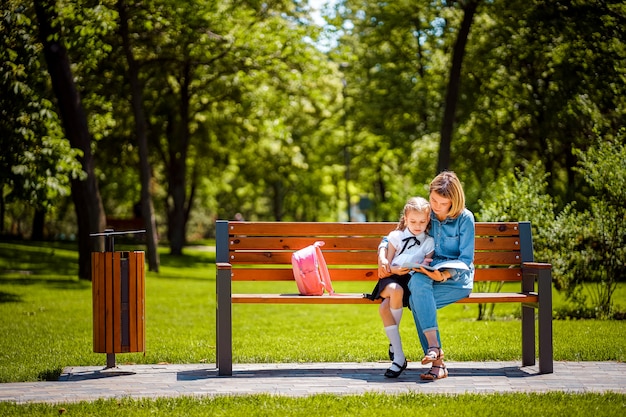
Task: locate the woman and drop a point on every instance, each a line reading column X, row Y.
column 452, row 228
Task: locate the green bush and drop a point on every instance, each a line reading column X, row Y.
column 584, row 245
column 523, row 197
column 519, row 197
column 590, row 246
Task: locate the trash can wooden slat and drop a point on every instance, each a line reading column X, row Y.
column 118, row 292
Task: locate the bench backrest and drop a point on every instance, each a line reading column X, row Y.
column 261, row 251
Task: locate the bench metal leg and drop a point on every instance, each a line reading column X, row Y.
column 223, row 314
column 528, row 335
column 546, row 356
column 528, row 321
column 224, row 342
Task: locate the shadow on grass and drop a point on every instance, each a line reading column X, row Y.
column 187, row 260
column 54, row 283
column 50, row 374
column 27, row 260
column 56, row 263
column 7, row 297
column 192, row 265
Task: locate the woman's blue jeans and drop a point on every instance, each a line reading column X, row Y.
column 427, row 296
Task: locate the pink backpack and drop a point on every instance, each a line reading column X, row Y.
column 310, row 270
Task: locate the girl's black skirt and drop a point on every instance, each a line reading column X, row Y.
column 403, row 280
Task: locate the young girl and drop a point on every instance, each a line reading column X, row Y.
column 409, row 243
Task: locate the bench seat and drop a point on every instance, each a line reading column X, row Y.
column 474, row 298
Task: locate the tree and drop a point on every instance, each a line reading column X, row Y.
column 540, row 78
column 454, row 81
column 85, row 193
column 204, row 80
column 394, row 92
column 37, row 162
column 141, row 127
column 537, row 77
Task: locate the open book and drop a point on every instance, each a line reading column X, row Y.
column 456, row 264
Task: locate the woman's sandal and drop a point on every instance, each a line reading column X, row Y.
column 390, row 373
column 431, row 376
column 432, row 355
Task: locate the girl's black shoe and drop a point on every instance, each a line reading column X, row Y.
column 390, row 373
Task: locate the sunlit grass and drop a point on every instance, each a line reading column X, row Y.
column 466, row 405
column 46, row 321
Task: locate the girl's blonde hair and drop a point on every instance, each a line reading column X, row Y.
column 447, row 185
column 418, row 204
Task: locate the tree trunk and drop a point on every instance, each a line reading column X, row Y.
column 85, row 193
column 454, row 84
column 145, row 171
column 178, row 150
column 38, row 225
column 2, row 208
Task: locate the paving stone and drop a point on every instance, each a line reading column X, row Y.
column 88, row 383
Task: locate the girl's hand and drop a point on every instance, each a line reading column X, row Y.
column 384, row 269
column 435, row 275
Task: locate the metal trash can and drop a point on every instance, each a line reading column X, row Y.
column 118, row 293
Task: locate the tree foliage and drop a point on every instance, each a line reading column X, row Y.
column 541, row 78
column 36, row 163
column 248, row 111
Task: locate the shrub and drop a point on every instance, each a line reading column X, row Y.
column 590, row 246
column 586, row 246
column 519, row 197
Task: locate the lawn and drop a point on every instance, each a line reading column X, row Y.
column 375, row 405
column 46, row 325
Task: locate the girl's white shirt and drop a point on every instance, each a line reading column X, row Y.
column 414, row 252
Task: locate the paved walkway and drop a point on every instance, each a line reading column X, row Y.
column 150, row 381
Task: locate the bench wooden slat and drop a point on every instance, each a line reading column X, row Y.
column 295, row 243
column 358, row 258
column 310, row 228
column 275, row 274
column 496, row 229
column 497, row 258
column 362, row 274
column 362, row 229
column 349, row 243
column 498, row 274
column 276, row 257
column 354, row 298
column 499, row 243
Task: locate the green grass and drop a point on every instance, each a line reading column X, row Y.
column 379, row 405
column 46, row 325
column 46, row 321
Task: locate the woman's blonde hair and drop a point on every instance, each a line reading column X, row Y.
column 447, row 185
column 418, row 204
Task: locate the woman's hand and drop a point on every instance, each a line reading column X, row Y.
column 399, row 270
column 435, row 275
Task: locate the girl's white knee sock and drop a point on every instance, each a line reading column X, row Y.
column 394, row 338
column 397, row 314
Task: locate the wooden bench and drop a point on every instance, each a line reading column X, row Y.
column 261, row 251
